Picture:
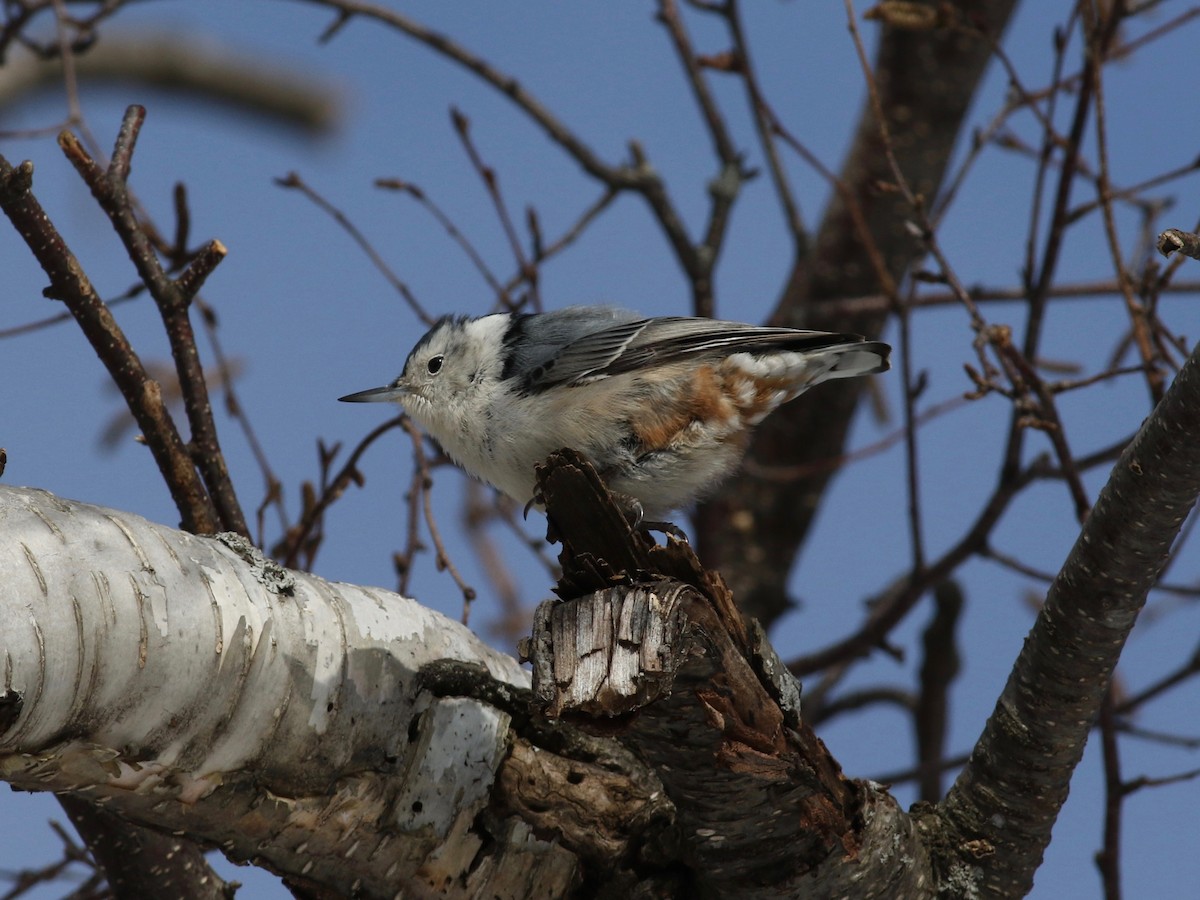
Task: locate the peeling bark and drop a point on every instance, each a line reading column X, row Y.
column 664, row 663
column 198, row 689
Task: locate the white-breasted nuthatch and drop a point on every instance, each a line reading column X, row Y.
column 662, row 407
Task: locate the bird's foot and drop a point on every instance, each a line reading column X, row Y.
column 636, row 514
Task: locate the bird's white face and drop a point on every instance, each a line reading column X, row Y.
column 448, row 380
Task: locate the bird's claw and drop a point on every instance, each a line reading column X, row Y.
column 668, row 528
column 636, row 515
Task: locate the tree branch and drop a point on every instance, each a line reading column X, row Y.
column 926, row 80
column 191, row 685
column 70, row 284
column 647, row 646
column 173, row 299
column 1009, row 795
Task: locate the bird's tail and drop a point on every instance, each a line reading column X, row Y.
column 864, row 358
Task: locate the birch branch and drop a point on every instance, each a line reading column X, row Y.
column 194, row 686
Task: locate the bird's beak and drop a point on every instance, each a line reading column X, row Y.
column 394, row 392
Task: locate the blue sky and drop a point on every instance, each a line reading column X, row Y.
column 312, row 321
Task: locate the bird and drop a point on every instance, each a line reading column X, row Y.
column 662, row 406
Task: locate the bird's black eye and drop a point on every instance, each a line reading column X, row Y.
column 435, row 364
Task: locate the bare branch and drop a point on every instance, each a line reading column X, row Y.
column 1175, row 241
column 928, row 81
column 186, row 63
column 70, row 284
column 1010, row 793
column 293, row 180
column 456, row 234
column 173, row 298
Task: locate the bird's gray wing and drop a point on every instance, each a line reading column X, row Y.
column 669, row 339
column 580, row 359
column 616, row 348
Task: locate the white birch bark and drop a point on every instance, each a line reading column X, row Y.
column 189, row 684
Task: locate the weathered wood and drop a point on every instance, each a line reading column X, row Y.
column 648, row 647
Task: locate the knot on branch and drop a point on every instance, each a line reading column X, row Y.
column 1174, row 240
column 16, row 181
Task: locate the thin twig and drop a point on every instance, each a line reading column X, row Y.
column 172, row 297
column 912, row 388
column 293, row 180
column 442, row 557
column 479, row 508
column 1108, row 858
column 70, row 284
column 807, row 470
column 1098, row 36
column 1189, row 669
column 765, row 126
column 456, row 234
column 272, row 486
column 940, row 665
column 568, row 237
column 487, row 174
column 724, row 188
column 638, row 175
column 289, row 549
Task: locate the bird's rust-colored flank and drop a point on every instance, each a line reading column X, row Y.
column 693, row 398
column 756, row 395
column 724, row 400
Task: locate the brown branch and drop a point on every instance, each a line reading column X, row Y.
column 1070, row 83
column 911, row 388
column 185, row 63
column 572, row 233
column 63, row 317
column 173, row 298
column 880, row 304
column 289, row 548
column 724, row 188
column 896, row 436
column 939, row 667
column 1050, row 423
column 455, row 233
column 894, row 603
column 26, row 879
column 899, row 776
column 638, row 175
column 1099, row 35
column 1040, row 278
column 765, row 123
column 852, row 701
column 479, row 509
column 1189, row 669
column 70, row 284
column 1009, row 795
column 442, row 557
column 226, row 370
column 1108, row 858
column 622, row 177
column 487, row 174
column 926, row 80
column 294, row 181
